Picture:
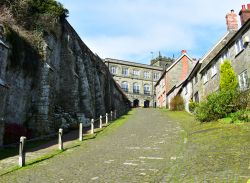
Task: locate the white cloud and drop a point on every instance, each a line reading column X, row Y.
column 131, row 29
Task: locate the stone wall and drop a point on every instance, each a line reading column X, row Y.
column 70, row 84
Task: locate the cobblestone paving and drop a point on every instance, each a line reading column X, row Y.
column 144, row 149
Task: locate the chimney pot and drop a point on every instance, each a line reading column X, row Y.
column 183, row 51
column 244, row 14
column 248, row 6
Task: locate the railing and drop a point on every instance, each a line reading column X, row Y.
column 106, row 118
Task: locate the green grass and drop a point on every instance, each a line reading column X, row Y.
column 214, row 150
column 13, row 151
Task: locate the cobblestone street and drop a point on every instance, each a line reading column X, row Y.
column 139, row 151
column 150, row 147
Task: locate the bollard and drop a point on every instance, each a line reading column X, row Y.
column 60, row 141
column 100, row 126
column 22, row 151
column 92, row 126
column 107, row 118
column 115, row 114
column 111, row 116
column 80, row 131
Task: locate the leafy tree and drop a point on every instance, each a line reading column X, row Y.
column 228, row 80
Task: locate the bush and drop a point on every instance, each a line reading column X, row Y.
column 177, row 103
column 218, row 105
column 13, row 132
column 241, row 115
column 193, row 106
column 228, row 79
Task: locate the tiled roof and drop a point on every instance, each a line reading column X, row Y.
column 208, row 58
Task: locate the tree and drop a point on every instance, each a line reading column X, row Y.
column 228, row 80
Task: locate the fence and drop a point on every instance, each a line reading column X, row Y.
column 95, row 124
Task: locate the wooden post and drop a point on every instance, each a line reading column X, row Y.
column 22, row 151
column 80, row 131
column 100, row 126
column 60, row 140
column 111, row 116
column 107, row 118
column 92, row 126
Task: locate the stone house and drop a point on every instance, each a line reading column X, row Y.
column 234, row 46
column 136, row 80
column 172, row 76
column 236, row 49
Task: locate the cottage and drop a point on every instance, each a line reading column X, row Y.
column 172, row 76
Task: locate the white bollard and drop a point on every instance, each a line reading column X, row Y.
column 60, row 140
column 80, row 131
column 107, row 118
column 92, row 126
column 100, row 126
column 111, row 116
column 22, row 151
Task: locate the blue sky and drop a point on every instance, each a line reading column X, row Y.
column 133, row 29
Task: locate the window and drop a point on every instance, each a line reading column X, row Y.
column 195, row 79
column 146, row 89
column 156, row 76
column 205, row 78
column 223, row 57
column 213, row 70
column 125, row 71
column 196, row 97
column 146, row 75
column 243, row 81
column 136, row 88
column 238, row 45
column 125, row 86
column 113, row 70
column 185, row 90
column 136, row 72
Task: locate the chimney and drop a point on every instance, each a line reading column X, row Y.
column 183, row 51
column 232, row 23
column 244, row 14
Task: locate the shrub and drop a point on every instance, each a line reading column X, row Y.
column 228, row 80
column 192, row 106
column 13, row 131
column 241, row 115
column 217, row 105
column 177, row 103
column 242, row 101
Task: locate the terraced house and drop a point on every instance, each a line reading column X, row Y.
column 172, row 77
column 234, row 46
column 138, row 80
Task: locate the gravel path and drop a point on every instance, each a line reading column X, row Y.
column 144, row 149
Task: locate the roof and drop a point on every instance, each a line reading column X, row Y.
column 208, row 58
column 171, row 66
column 124, row 62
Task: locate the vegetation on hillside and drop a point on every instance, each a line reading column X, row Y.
column 27, row 21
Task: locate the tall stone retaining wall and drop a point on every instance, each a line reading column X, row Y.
column 70, row 85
